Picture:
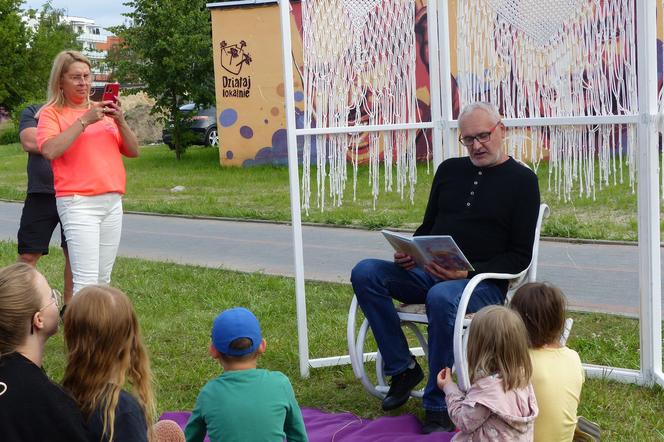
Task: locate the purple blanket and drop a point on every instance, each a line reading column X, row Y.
column 346, row 427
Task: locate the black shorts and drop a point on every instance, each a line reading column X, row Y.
column 38, row 220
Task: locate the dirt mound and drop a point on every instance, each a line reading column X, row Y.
column 137, row 109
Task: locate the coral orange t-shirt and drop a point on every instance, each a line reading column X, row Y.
column 92, row 165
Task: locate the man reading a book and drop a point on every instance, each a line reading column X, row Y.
column 489, row 204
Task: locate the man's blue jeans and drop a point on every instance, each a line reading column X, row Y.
column 376, row 282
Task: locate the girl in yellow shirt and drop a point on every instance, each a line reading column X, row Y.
column 557, row 372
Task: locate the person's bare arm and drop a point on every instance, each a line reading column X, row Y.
column 129, row 140
column 58, row 145
column 28, row 137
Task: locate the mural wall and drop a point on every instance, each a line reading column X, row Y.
column 250, row 89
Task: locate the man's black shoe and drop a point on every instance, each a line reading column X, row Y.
column 400, row 387
column 436, row 421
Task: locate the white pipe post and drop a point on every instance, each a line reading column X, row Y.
column 434, row 83
column 622, row 375
column 453, row 124
column 648, row 194
column 294, row 180
column 363, row 128
column 449, row 134
column 570, row 121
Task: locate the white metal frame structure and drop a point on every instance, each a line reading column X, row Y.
column 444, row 127
column 435, row 125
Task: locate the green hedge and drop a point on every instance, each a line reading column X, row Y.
column 9, row 135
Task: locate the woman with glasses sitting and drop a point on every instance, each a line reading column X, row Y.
column 32, row 408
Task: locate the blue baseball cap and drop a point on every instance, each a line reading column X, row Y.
column 233, row 324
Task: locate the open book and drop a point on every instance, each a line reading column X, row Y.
column 439, row 248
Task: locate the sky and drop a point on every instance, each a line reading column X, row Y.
column 105, row 13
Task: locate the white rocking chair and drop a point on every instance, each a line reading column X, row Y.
column 413, row 314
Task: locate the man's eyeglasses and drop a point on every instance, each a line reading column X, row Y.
column 56, row 298
column 482, row 137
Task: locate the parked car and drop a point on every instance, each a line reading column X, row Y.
column 203, row 125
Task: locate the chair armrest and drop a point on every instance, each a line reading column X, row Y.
column 569, row 322
column 459, row 357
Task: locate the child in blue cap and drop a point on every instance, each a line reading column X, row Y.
column 244, row 403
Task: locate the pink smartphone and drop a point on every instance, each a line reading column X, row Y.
column 111, row 91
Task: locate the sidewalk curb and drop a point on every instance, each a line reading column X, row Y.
column 349, row 227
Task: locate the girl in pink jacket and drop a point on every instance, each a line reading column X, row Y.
column 500, row 404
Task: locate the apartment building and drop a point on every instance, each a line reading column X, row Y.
column 96, row 42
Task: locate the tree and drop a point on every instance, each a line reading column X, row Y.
column 27, row 51
column 13, row 53
column 51, row 36
column 168, row 48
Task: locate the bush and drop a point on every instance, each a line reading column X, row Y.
column 9, row 135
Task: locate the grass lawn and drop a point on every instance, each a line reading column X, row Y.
column 176, row 305
column 263, row 193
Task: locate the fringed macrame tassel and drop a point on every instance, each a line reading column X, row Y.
column 555, row 58
column 359, row 68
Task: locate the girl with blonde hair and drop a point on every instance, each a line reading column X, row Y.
column 500, row 404
column 105, row 351
column 32, row 408
column 85, row 142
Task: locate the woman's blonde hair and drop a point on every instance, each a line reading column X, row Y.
column 19, row 302
column 61, row 65
column 498, row 344
column 104, row 350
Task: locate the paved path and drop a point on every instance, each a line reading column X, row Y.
column 595, row 277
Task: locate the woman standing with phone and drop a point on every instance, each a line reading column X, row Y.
column 85, row 142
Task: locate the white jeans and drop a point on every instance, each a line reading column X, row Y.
column 92, row 225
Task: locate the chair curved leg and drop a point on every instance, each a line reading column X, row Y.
column 359, row 348
column 464, row 345
column 356, row 349
column 351, row 339
column 356, row 353
column 419, row 335
column 425, row 347
column 569, row 322
column 380, row 375
column 460, row 361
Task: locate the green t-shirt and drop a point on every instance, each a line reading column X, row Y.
column 247, row 405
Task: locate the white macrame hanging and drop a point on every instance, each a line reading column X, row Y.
column 555, row 58
column 359, row 61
